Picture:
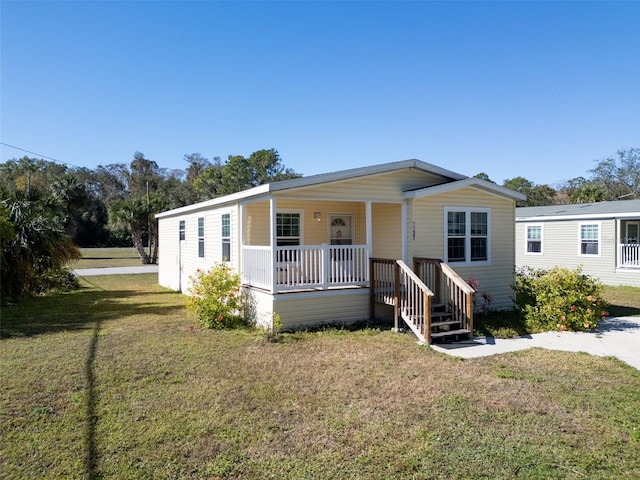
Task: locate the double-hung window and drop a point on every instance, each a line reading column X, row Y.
column 288, row 230
column 467, row 234
column 181, row 230
column 589, row 239
column 534, row 239
column 201, row 237
column 225, row 234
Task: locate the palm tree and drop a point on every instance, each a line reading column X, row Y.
column 37, row 241
column 132, row 214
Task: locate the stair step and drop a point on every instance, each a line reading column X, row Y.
column 462, row 331
column 446, row 322
column 440, row 314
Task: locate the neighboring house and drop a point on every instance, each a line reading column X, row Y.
column 310, row 249
column 602, row 238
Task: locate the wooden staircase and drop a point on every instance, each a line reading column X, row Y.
column 441, row 317
column 445, row 328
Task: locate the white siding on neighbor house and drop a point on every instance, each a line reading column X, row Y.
column 497, row 278
column 176, row 252
column 561, row 248
column 387, row 187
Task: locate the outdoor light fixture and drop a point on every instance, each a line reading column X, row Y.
column 316, row 215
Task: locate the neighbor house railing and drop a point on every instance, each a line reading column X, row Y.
column 305, row 266
column 629, row 255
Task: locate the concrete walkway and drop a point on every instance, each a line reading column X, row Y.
column 616, row 337
column 89, row 272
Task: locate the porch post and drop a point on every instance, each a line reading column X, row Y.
column 274, row 243
column 618, row 243
column 405, row 233
column 369, row 225
column 240, row 260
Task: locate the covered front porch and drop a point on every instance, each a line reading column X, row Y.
column 292, row 245
column 628, row 251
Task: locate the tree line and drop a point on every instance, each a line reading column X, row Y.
column 614, row 178
column 49, row 209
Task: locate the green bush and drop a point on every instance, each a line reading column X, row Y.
column 559, row 299
column 216, row 299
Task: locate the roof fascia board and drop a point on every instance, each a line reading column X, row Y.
column 467, row 182
column 218, row 201
column 586, row 216
column 364, row 171
column 314, row 180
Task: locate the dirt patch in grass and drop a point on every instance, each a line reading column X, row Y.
column 133, row 388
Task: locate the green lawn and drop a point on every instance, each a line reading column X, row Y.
column 107, row 257
column 115, row 381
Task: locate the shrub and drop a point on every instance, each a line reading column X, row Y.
column 559, row 299
column 55, row 280
column 216, row 299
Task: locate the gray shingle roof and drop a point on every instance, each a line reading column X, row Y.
column 611, row 209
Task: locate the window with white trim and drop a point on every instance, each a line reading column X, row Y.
column 589, row 239
column 467, row 235
column 288, row 233
column 288, row 228
column 201, row 237
column 534, row 240
column 181, row 230
column 225, row 221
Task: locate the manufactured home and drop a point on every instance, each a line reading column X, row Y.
column 338, row 247
column 602, row 238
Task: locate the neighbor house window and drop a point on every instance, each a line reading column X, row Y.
column 201, row 237
column 226, row 237
column 534, row 239
column 287, row 234
column 182, row 230
column 589, row 239
column 467, row 234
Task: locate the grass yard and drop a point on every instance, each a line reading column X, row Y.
column 107, row 257
column 115, row 381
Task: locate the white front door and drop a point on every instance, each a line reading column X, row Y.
column 340, row 229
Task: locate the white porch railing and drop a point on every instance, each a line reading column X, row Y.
column 305, row 267
column 629, row 255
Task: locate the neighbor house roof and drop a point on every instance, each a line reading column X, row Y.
column 613, row 209
column 268, row 188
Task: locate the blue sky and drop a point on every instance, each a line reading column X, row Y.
column 540, row 90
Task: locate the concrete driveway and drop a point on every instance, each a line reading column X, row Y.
column 615, row 337
column 89, row 272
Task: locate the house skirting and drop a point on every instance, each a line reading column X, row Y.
column 309, row 308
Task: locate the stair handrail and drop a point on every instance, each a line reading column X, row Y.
column 414, row 303
column 467, row 290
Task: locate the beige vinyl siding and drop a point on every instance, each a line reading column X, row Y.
column 308, row 309
column 257, row 223
column 258, row 218
column 387, row 230
column 497, row 277
column 380, row 187
column 187, row 251
column 560, row 247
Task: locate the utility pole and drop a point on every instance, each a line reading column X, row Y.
column 148, row 222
